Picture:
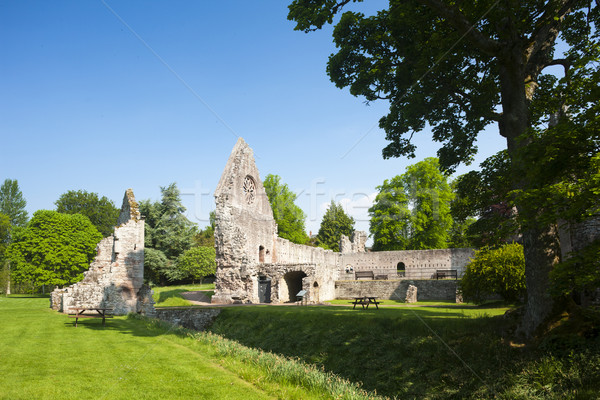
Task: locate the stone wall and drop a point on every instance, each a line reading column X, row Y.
column 198, row 319
column 396, row 289
column 418, row 264
column 115, row 278
column 254, row 265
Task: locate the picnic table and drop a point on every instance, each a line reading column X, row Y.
column 365, row 301
column 79, row 312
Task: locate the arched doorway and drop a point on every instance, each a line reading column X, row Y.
column 401, row 269
column 292, row 285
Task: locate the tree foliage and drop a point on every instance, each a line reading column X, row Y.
column 335, row 223
column 486, row 195
column 498, row 271
column 168, row 234
column 412, row 211
column 12, row 202
column 100, row 210
column 167, row 227
column 206, row 237
column 197, row 263
column 54, row 249
column 289, row 217
column 5, row 228
column 457, row 67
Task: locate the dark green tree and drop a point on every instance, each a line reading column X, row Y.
column 155, row 263
column 197, row 263
column 458, row 67
column 335, row 223
column 487, row 197
column 498, row 271
column 289, row 217
column 168, row 231
column 5, row 228
column 206, row 237
column 412, row 211
column 53, row 250
column 12, row 202
column 100, row 210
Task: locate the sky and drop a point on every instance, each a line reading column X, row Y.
column 108, row 95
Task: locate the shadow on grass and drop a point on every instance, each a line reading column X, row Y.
column 126, row 325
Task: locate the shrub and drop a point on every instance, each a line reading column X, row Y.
column 498, row 271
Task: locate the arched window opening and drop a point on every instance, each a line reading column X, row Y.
column 261, row 254
column 401, row 269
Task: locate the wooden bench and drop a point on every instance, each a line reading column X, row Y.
column 381, row 277
column 446, row 273
column 78, row 313
column 364, row 274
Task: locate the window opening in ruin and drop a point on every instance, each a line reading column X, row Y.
column 401, row 269
column 293, row 281
column 316, row 284
column 261, row 254
column 249, row 189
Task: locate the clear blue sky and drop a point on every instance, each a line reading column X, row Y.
column 108, row 95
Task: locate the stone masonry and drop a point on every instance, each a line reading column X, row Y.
column 115, row 278
column 254, row 265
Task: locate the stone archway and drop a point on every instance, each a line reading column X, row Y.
column 291, row 284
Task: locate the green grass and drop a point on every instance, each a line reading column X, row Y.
column 170, row 296
column 43, row 356
column 438, row 352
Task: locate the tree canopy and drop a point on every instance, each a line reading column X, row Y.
column 167, row 227
column 12, row 203
column 289, row 217
column 197, row 263
column 168, row 234
column 100, row 210
column 412, row 211
column 457, row 67
column 54, row 249
column 335, row 223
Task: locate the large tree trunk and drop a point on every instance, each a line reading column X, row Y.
column 541, row 249
column 539, row 240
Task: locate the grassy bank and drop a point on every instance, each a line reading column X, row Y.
column 170, row 296
column 430, row 352
column 43, row 356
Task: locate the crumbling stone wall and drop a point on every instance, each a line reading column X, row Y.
column 116, row 276
column 254, row 265
column 427, row 290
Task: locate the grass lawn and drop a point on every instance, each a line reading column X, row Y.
column 441, row 352
column 43, row 356
column 170, row 296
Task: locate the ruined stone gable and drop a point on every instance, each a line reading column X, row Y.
column 254, row 265
column 115, row 278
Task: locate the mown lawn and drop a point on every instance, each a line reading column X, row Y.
column 43, row 356
column 442, row 352
column 170, row 296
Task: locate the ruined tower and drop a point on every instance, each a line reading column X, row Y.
column 116, row 276
column 245, row 230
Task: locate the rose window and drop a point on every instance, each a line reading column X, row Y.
column 249, row 189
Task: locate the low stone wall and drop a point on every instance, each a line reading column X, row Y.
column 192, row 318
column 396, row 289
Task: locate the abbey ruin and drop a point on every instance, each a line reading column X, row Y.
column 116, row 276
column 254, row 265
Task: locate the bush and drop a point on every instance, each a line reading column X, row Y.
column 498, row 271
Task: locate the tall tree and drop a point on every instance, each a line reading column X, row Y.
column 5, row 228
column 100, row 210
column 289, row 217
column 12, row 202
column 412, row 211
column 53, row 250
column 168, row 231
column 457, row 67
column 335, row 223
column 206, row 237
